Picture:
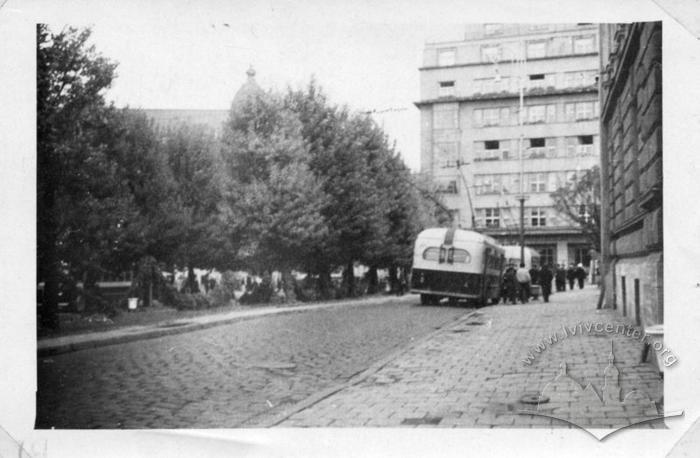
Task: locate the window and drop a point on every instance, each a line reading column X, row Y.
column 585, row 145
column 478, row 117
column 560, row 46
column 447, row 89
column 583, row 45
column 535, row 113
column 492, row 217
column 536, row 49
column 493, row 29
column 491, row 144
column 487, row 184
column 447, row 187
column 502, row 84
column 537, row 148
column 546, row 255
column 445, row 116
column 570, row 111
column 490, row 53
column 446, row 56
column 536, row 142
column 580, row 111
column 538, row 217
column 505, row 116
column 538, row 182
column 584, row 110
column 446, row 154
column 491, row 117
column 551, row 113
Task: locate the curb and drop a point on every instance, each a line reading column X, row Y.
column 354, row 380
column 154, row 332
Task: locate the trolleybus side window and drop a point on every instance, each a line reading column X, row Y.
column 450, row 255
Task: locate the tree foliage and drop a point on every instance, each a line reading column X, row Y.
column 294, row 183
column 71, row 174
column 579, row 201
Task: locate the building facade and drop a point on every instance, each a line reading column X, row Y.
column 213, row 120
column 631, row 166
column 485, row 146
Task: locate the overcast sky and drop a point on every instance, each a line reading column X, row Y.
column 199, row 60
column 365, row 54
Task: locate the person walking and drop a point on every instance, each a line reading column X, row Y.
column 560, row 278
column 546, row 277
column 510, row 286
column 523, row 278
column 571, row 275
column 580, row 275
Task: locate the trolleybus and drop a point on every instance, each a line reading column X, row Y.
column 456, row 264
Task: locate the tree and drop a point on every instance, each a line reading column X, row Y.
column 192, row 160
column 273, row 202
column 579, row 201
column 71, row 79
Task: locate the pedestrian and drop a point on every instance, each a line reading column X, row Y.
column 546, row 277
column 571, row 275
column 510, row 286
column 523, row 277
column 534, row 279
column 560, row 278
column 580, row 275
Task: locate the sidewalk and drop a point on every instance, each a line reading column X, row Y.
column 75, row 342
column 472, row 374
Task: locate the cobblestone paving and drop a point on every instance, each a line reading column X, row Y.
column 225, row 376
column 472, row 374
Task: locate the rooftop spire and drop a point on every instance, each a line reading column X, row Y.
column 250, row 72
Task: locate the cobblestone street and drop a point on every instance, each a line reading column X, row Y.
column 228, row 375
column 472, row 374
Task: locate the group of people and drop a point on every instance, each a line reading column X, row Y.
column 517, row 282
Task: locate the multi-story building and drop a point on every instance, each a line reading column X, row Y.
column 485, row 146
column 631, row 166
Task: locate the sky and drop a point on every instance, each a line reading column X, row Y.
column 364, row 54
column 199, row 61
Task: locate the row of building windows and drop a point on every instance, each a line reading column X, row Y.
column 511, row 84
column 538, row 48
column 509, row 183
column 535, row 114
column 497, row 217
column 534, row 217
column 446, row 154
column 535, row 148
column 446, row 115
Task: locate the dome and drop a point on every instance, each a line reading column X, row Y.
column 248, row 90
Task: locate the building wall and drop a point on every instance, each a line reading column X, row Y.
column 459, row 130
column 631, row 126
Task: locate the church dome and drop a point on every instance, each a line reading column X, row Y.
column 248, row 91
